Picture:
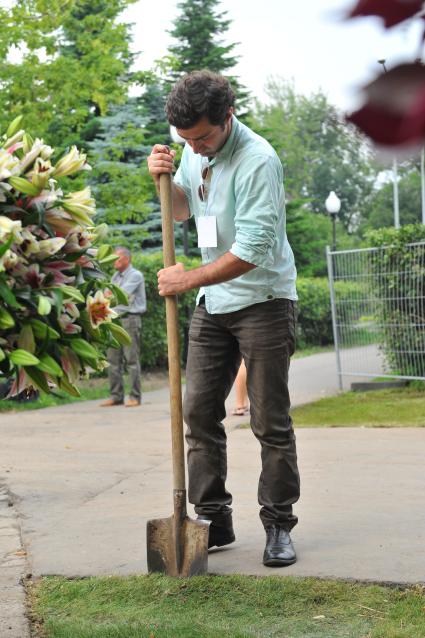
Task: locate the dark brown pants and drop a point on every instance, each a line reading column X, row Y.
column 264, row 335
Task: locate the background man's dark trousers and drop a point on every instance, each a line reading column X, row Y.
column 129, row 354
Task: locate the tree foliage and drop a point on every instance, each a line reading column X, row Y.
column 64, row 62
column 198, row 31
column 319, row 152
column 409, row 194
column 120, row 180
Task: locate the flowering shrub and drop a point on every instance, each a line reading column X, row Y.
column 56, row 304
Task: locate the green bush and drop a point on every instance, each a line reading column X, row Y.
column 154, row 332
column 314, row 311
column 398, row 281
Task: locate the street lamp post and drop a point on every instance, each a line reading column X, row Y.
column 333, row 206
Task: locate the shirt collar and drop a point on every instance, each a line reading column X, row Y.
column 125, row 272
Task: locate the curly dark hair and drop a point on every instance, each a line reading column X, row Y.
column 199, row 94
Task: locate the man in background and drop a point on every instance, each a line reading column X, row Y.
column 133, row 283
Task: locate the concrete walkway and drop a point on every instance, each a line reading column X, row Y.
column 79, row 482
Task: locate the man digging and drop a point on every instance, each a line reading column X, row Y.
column 231, row 180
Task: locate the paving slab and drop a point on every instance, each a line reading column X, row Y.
column 87, row 480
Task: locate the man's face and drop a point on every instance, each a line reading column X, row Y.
column 206, row 138
column 122, row 261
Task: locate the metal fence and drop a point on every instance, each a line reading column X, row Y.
column 378, row 311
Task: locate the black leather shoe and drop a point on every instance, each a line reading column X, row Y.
column 219, row 535
column 279, row 550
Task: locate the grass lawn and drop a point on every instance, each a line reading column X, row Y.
column 401, row 407
column 223, row 607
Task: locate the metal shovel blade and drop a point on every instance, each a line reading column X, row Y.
column 178, row 545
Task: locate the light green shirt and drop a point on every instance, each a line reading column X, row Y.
column 246, row 196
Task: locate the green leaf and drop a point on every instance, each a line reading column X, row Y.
column 6, row 319
column 83, row 349
column 71, row 293
column 7, row 244
column 107, row 260
column 23, row 358
column 38, row 379
column 49, row 365
column 105, row 251
column 24, row 186
column 85, row 322
column 26, row 339
column 65, row 384
column 119, row 293
column 92, row 273
column 2, row 355
column 8, row 296
column 41, row 330
column 14, row 126
column 119, row 333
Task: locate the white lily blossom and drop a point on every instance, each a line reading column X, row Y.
column 11, row 227
column 71, row 163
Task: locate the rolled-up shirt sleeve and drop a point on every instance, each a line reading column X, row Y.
column 259, row 200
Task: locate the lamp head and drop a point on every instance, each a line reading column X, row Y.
column 333, row 203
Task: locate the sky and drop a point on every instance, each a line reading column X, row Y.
column 301, row 40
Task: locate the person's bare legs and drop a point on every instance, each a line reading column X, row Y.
column 242, row 403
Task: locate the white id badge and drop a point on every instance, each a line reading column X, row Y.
column 207, row 231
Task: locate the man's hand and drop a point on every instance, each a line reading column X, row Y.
column 161, row 160
column 173, row 280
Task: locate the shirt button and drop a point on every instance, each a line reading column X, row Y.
column 269, row 296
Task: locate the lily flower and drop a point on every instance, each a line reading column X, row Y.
column 71, row 308
column 8, row 261
column 50, row 246
column 8, row 164
column 81, row 206
column 70, row 364
column 29, row 245
column 17, row 137
column 10, row 227
column 41, row 172
column 78, row 239
column 33, row 276
column 98, row 309
column 56, row 268
column 60, row 221
column 71, row 163
column 67, row 324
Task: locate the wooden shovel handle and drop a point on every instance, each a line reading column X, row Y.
column 171, row 310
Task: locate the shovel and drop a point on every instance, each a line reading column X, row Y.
column 178, row 545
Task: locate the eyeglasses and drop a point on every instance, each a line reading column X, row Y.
column 203, row 188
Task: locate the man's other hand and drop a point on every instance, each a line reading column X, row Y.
column 172, row 280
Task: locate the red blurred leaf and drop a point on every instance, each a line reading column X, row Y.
column 391, row 11
column 394, row 110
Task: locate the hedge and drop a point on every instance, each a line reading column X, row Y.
column 398, row 280
column 314, row 311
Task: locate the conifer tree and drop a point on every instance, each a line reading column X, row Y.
column 198, row 31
